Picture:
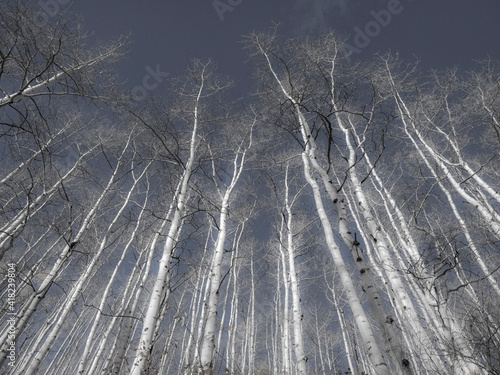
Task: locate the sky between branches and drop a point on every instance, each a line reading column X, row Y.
column 167, row 34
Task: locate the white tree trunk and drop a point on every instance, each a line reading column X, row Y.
column 285, row 307
column 369, row 343
column 298, row 336
column 208, row 343
column 33, row 301
column 90, row 338
column 77, row 289
column 150, row 320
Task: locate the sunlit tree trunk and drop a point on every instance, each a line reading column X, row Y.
column 397, row 288
column 233, row 320
column 298, row 336
column 409, row 125
column 118, row 351
column 77, row 289
column 151, row 318
column 491, row 218
column 343, row 325
column 96, row 320
column 131, row 300
column 252, row 329
column 33, row 301
column 285, row 306
column 208, row 343
column 10, row 231
column 365, row 330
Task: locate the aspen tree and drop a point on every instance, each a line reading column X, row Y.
column 287, row 248
column 76, row 291
column 90, row 337
column 309, row 156
column 360, row 316
column 32, row 302
column 225, row 193
column 200, row 73
column 98, row 353
column 48, row 60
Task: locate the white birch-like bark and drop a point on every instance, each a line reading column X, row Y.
column 396, row 286
column 285, row 320
column 50, row 142
column 321, row 346
column 66, row 354
column 230, row 302
column 233, row 320
column 197, row 304
column 128, row 308
column 309, row 155
column 365, row 330
column 34, row 88
column 208, row 343
column 298, row 336
column 151, row 317
column 251, row 319
column 461, row 162
column 426, row 298
column 197, row 310
column 236, row 238
column 276, row 331
column 31, row 272
column 369, row 285
column 201, row 324
column 165, row 306
column 128, row 291
column 166, row 354
column 343, row 326
column 474, row 175
column 491, row 218
column 453, row 332
column 97, row 318
column 33, row 301
column 77, row 289
column 13, row 229
column 150, row 320
column 128, row 323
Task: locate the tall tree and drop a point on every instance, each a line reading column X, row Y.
column 224, row 193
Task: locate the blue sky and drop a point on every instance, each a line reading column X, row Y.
column 440, row 33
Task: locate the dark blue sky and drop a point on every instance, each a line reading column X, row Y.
column 440, row 33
